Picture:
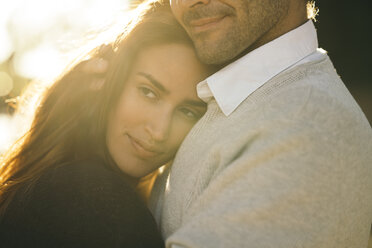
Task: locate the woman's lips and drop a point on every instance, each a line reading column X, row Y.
column 142, row 149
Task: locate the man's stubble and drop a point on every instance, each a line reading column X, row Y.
column 251, row 26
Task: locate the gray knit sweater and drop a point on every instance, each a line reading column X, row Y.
column 290, row 167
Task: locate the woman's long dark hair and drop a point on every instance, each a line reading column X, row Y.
column 70, row 122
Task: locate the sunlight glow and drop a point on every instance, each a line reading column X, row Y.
column 47, row 34
column 11, row 128
column 39, row 38
column 43, row 62
column 6, row 47
column 6, row 83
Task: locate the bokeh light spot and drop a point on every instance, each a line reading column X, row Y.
column 6, row 47
column 6, row 84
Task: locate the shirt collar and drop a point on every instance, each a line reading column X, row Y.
column 234, row 83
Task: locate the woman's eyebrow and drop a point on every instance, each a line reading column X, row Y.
column 155, row 82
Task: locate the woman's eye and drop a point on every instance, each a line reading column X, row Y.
column 147, row 92
column 189, row 113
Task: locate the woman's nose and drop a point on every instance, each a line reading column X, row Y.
column 159, row 127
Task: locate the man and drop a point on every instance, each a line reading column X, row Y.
column 282, row 158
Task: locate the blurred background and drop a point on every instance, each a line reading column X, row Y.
column 344, row 30
column 38, row 38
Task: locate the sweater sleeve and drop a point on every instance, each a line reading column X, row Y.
column 80, row 205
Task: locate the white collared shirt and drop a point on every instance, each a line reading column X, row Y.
column 231, row 85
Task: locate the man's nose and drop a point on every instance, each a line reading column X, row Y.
column 159, row 127
column 189, row 3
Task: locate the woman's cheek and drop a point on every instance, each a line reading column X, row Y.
column 132, row 105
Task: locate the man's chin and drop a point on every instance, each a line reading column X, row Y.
column 212, row 54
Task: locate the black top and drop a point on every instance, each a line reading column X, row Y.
column 79, row 205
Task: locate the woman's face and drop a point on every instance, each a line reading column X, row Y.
column 157, row 108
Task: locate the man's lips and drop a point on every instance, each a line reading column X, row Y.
column 203, row 24
column 205, row 21
column 142, row 148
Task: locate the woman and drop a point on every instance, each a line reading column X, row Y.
column 69, row 182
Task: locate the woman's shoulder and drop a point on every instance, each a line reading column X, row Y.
column 84, row 173
column 87, row 204
column 82, row 181
column 86, row 188
column 79, row 170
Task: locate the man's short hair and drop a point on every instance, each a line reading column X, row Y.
column 312, row 10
